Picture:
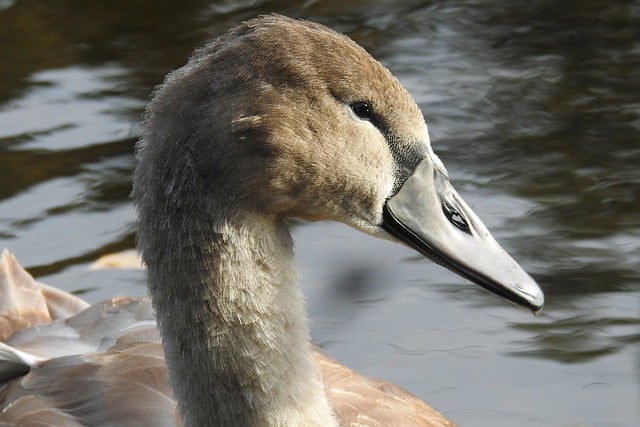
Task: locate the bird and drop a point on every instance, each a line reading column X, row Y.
column 277, row 119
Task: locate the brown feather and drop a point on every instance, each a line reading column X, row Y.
column 358, row 400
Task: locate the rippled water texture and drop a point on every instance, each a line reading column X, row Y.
column 535, row 108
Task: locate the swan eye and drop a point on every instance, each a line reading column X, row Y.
column 363, row 110
column 455, row 217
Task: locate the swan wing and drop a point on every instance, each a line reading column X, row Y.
column 360, row 401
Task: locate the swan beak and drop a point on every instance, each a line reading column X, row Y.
column 430, row 216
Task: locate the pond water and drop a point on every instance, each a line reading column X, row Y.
column 534, row 108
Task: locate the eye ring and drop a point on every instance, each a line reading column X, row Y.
column 363, row 110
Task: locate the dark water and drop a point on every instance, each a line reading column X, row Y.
column 535, row 108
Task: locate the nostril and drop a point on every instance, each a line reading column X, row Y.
column 455, row 217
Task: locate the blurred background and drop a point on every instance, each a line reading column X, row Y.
column 533, row 106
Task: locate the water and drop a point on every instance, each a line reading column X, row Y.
column 534, row 107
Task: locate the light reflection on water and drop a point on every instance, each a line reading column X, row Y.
column 533, row 107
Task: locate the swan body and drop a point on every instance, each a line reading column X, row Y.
column 276, row 119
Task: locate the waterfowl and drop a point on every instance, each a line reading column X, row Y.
column 276, row 119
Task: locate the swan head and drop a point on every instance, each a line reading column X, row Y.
column 284, row 118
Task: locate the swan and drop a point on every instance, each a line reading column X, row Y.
column 276, row 119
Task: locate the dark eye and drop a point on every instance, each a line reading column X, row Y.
column 362, row 110
column 455, row 217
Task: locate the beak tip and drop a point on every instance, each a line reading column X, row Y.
column 530, row 293
column 537, row 309
column 536, row 301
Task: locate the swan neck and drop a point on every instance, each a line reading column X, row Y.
column 234, row 327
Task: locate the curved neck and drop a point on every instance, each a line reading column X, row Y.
column 233, row 324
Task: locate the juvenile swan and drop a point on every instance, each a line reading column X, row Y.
column 276, row 119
